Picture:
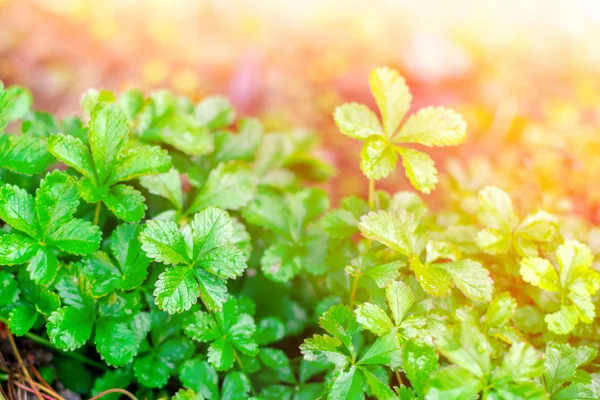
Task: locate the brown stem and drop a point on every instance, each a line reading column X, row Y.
column 109, row 391
column 30, row 390
column 11, row 339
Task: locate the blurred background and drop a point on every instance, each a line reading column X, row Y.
column 525, row 74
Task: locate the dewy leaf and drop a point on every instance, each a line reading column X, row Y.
column 466, row 347
column 541, row 273
column 433, row 126
column 72, row 152
column 420, row 361
column 229, row 186
column 167, row 185
column 433, row 279
column 496, row 210
column 522, row 362
column 324, row 346
column 131, row 260
column 126, row 203
column 69, row 328
column 357, row 121
column 560, row 364
column 139, row 161
column 76, row 237
column 373, row 318
column 16, row 249
column 211, row 229
column 162, row 241
column 347, row 385
column 420, row 169
column 340, row 322
column 176, row 290
column 56, row 201
column 25, row 154
column 471, row 278
column 378, row 158
column 116, row 341
column 396, row 232
column 501, row 310
column 108, row 135
column 392, row 96
column 573, row 258
column 43, row 266
column 17, row 209
column 454, row 383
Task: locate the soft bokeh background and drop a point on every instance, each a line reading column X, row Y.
column 526, row 74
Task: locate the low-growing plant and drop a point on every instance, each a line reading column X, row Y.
column 156, row 248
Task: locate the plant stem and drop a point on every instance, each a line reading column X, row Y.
column 17, row 355
column 400, row 382
column 371, row 194
column 109, row 391
column 97, row 213
column 30, row 390
column 354, row 287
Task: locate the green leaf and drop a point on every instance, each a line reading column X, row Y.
column 116, row 341
column 108, row 135
column 9, row 289
column 43, row 266
column 540, row 272
column 101, row 273
column 22, row 319
column 201, row 377
column 215, row 112
column 278, row 361
column 400, row 298
column 242, row 146
column 268, row 210
column 230, row 186
column 419, row 361
column 151, row 371
column 347, row 385
column 454, row 383
column 162, row 241
column 420, row 169
column 76, row 237
column 131, row 260
column 466, row 347
column 357, row 121
column 563, row 321
column 379, row 389
column 522, row 362
column 324, row 346
column 17, row 209
column 24, row 154
column 69, row 328
column 139, row 161
column 339, row 321
column 378, row 158
column 396, row 232
column 382, row 351
column 471, row 278
column 167, row 185
column 56, row 201
column 212, row 228
column 560, row 364
column 126, row 203
column 269, row 330
column 392, row 96
column 433, row 279
column 213, row 290
column 496, row 209
column 176, row 290
column 501, row 310
column 72, row 152
column 16, row 249
column 236, row 386
column 280, row 262
column 433, row 127
column 373, row 318
column 573, row 258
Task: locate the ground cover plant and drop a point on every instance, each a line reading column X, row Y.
column 153, row 247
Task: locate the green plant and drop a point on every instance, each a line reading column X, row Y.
column 203, row 263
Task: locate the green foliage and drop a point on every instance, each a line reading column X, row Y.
column 379, row 298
